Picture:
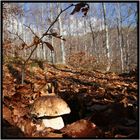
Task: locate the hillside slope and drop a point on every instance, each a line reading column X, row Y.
column 108, row 100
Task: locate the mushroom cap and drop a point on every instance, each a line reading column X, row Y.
column 50, row 106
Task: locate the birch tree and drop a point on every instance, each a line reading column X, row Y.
column 85, row 32
column 77, row 48
column 130, row 28
column 42, row 19
column 52, row 39
column 61, row 33
column 106, row 38
column 70, row 38
column 120, row 35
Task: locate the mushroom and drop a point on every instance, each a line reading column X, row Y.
column 49, row 109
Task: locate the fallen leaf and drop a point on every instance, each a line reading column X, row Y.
column 82, row 128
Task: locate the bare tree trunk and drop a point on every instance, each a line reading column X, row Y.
column 93, row 46
column 44, row 52
column 77, row 48
column 38, row 50
column 106, row 39
column 127, row 53
column 52, row 39
column 61, row 33
column 120, row 36
column 85, row 40
column 24, row 54
column 70, row 36
column 42, row 17
column 22, row 73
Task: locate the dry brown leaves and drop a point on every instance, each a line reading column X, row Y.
column 8, row 83
column 107, row 99
column 81, row 129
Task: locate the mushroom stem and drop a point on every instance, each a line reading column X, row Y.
column 55, row 123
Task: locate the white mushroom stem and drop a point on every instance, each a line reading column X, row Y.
column 55, row 123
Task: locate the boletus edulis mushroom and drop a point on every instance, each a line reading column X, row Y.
column 50, row 109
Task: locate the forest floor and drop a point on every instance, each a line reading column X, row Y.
column 107, row 100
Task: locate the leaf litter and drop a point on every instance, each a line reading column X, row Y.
column 103, row 105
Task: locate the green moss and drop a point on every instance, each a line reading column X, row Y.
column 33, row 64
column 13, row 60
column 39, row 63
column 60, row 66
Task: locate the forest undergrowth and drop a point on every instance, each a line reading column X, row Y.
column 107, row 100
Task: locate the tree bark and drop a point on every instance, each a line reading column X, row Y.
column 120, row 35
column 106, row 39
column 52, row 39
column 61, row 33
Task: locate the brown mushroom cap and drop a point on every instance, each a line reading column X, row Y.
column 50, row 106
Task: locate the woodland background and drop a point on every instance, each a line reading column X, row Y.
column 105, row 39
column 85, row 53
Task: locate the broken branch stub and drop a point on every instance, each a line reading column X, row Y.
column 36, row 40
column 55, row 35
column 49, row 46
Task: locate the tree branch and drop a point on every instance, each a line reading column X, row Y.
column 30, row 55
column 30, row 29
column 18, row 37
column 56, row 19
column 47, row 30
